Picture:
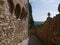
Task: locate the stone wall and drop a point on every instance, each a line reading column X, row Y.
column 49, row 32
column 13, row 21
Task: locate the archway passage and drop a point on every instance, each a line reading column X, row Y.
column 11, row 5
column 17, row 11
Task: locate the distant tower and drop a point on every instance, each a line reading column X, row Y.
column 48, row 14
column 59, row 8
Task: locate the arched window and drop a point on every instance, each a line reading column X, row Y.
column 17, row 10
column 11, row 5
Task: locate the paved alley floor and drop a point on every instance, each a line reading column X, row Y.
column 31, row 40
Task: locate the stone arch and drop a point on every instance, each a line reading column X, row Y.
column 23, row 13
column 11, row 5
column 17, row 10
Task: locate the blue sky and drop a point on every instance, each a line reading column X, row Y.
column 40, row 8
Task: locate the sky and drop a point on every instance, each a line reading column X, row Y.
column 40, row 8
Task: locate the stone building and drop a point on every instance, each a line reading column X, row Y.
column 13, row 21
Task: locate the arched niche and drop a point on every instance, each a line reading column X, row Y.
column 1, row 2
column 11, row 5
column 23, row 13
column 17, row 10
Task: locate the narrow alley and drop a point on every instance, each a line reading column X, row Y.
column 31, row 40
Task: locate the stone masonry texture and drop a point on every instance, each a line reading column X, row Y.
column 13, row 21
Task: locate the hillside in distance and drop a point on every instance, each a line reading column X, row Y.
column 38, row 23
